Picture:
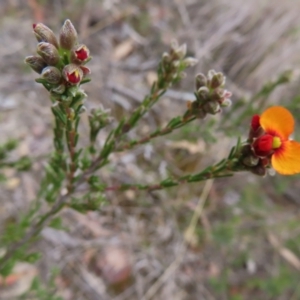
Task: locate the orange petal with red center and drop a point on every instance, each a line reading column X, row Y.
column 286, row 161
column 277, row 120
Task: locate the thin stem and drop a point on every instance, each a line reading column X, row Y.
column 70, row 136
column 222, row 169
column 66, row 110
column 159, row 132
column 35, row 230
column 125, row 126
column 59, row 137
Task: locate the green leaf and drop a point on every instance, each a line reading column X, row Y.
column 174, row 122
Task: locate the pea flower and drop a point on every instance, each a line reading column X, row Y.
column 270, row 140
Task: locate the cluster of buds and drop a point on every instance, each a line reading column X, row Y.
column 210, row 95
column 61, row 62
column 98, row 119
column 256, row 154
column 175, row 62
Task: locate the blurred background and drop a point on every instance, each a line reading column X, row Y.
column 243, row 242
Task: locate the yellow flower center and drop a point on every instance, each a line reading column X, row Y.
column 276, row 142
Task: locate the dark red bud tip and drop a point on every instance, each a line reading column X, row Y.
column 73, row 77
column 33, row 25
column 81, row 54
column 255, row 122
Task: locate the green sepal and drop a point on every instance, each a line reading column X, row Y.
column 85, row 80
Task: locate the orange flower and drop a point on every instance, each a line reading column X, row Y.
column 278, row 124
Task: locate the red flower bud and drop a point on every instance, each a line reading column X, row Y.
column 73, row 77
column 255, row 124
column 44, row 34
column 72, row 74
column 263, row 146
column 80, row 54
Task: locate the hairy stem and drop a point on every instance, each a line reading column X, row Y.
column 71, row 142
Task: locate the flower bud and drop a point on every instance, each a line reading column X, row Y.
column 166, row 57
column 180, row 51
column 44, row 34
column 201, row 81
column 203, row 93
column 175, row 63
column 49, row 53
column 263, row 146
column 217, row 80
column 72, row 74
column 255, row 129
column 255, row 122
column 80, row 54
column 68, row 36
column 190, row 62
column 36, row 63
column 226, row 102
column 52, row 75
column 211, row 74
column 217, row 94
column 212, row 107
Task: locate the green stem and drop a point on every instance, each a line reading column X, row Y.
column 35, row 230
column 71, row 142
column 224, row 168
column 159, row 132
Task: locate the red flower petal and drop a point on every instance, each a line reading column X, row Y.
column 73, row 77
column 255, row 124
column 82, row 53
column 263, row 146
